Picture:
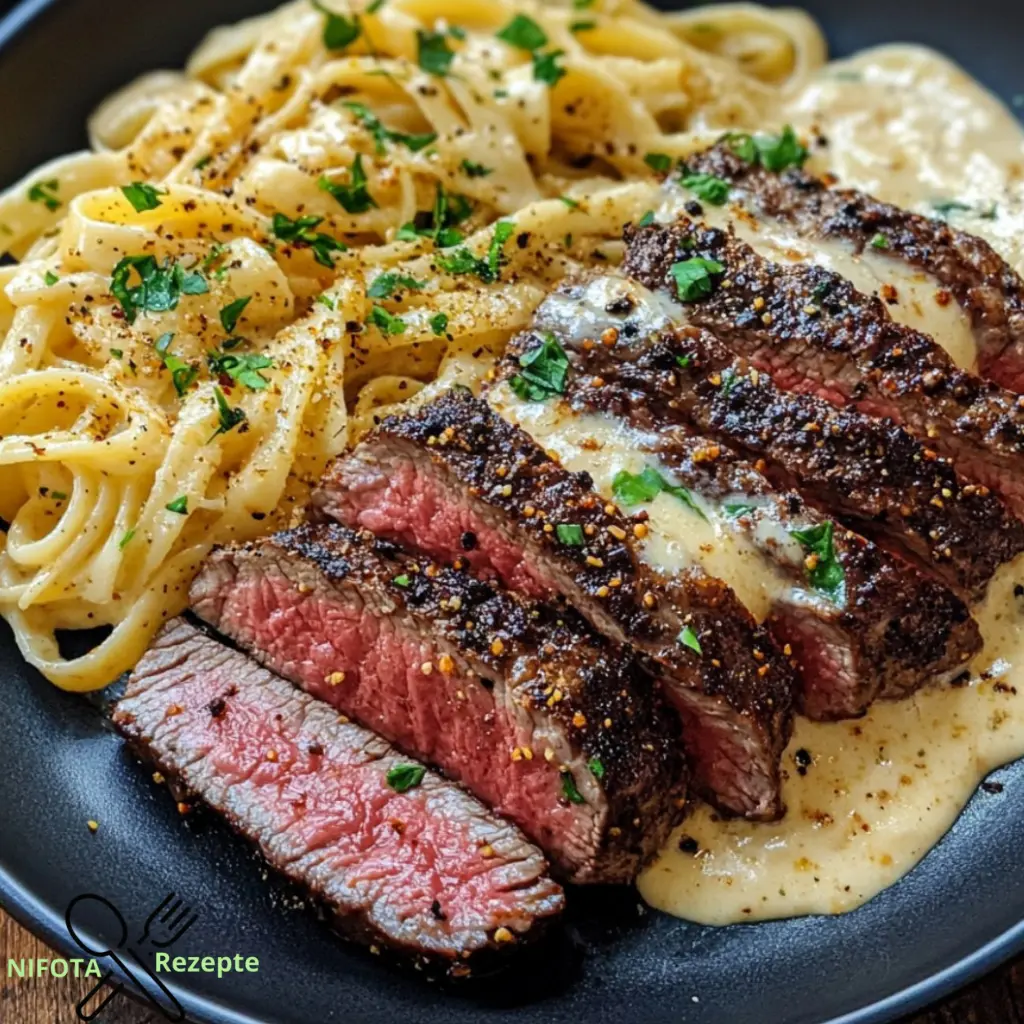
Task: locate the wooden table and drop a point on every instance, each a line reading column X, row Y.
column 997, row 999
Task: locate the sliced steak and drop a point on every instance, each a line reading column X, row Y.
column 862, row 622
column 813, row 332
column 544, row 721
column 428, row 871
column 459, row 483
column 870, row 471
column 988, row 289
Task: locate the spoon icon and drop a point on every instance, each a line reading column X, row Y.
column 87, row 914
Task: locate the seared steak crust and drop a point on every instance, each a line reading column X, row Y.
column 622, row 775
column 398, row 870
column 813, row 331
column 738, row 682
column 988, row 289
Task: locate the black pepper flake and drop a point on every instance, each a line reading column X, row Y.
column 217, row 707
column 803, row 760
column 315, row 750
column 468, row 541
column 992, row 787
column 439, row 914
column 687, row 844
column 693, row 208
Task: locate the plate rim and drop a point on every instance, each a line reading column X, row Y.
column 46, row 925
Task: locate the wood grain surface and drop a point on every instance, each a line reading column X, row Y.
column 997, row 999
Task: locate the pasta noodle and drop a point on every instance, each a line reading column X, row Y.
column 333, row 211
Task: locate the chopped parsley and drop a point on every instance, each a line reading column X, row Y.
column 637, row 488
column 385, row 285
column 582, row 5
column 488, row 268
column 773, row 152
column 684, row 361
column 571, row 534
column 945, row 206
column 573, row 204
column 123, row 542
column 439, row 224
column 432, row 53
column 179, row 505
column 688, row 638
column 300, row 232
column 544, row 372
column 659, row 162
column 375, row 6
column 880, row 241
column 232, row 311
column 439, row 323
column 117, row 353
column 596, row 767
column 387, row 322
column 693, row 277
column 403, row 777
column 582, row 26
column 708, row 187
column 355, row 196
column 339, row 31
column 229, row 418
column 738, row 509
column 646, row 220
column 475, row 170
column 402, row 581
column 183, row 374
column 142, row 196
column 546, row 68
column 824, row 570
column 50, row 278
column 243, row 367
column 160, row 285
column 325, row 300
column 382, row 135
column 569, row 790
column 45, row 192
column 524, row 33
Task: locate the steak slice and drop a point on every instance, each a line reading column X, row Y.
column 461, row 484
column 986, row 287
column 867, row 470
column 427, row 871
column 814, row 332
column 544, row 721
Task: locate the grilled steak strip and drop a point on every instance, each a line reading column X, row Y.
column 870, row 471
column 988, row 289
column 812, row 331
column 460, row 483
column 429, row 872
column 894, row 629
column 546, row 722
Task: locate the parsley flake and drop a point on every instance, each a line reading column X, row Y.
column 544, row 372
column 439, row 323
column 693, row 277
column 738, row 510
column 646, row 220
column 638, row 488
column 123, row 542
column 229, row 418
column 382, row 135
column 571, row 534
column 355, row 196
column 880, row 241
column 179, row 505
column 772, row 152
column 300, row 232
column 661, row 163
column 432, row 53
column 546, row 68
column 232, row 311
column 183, row 375
column 569, row 790
column 707, row 187
column 160, row 285
column 403, row 777
column 242, row 367
column 45, row 192
column 385, row 285
column 142, row 196
column 824, row 570
column 402, row 581
column 475, row 170
column 387, row 322
column 339, row 30
column 688, row 638
column 524, row 33
column 596, row 767
column 50, row 278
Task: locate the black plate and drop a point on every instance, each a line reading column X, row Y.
column 955, row 916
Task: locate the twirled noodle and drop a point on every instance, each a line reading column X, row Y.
column 286, row 231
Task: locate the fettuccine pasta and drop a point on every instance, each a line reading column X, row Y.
column 335, row 210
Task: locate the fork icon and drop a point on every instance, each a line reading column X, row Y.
column 168, row 922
